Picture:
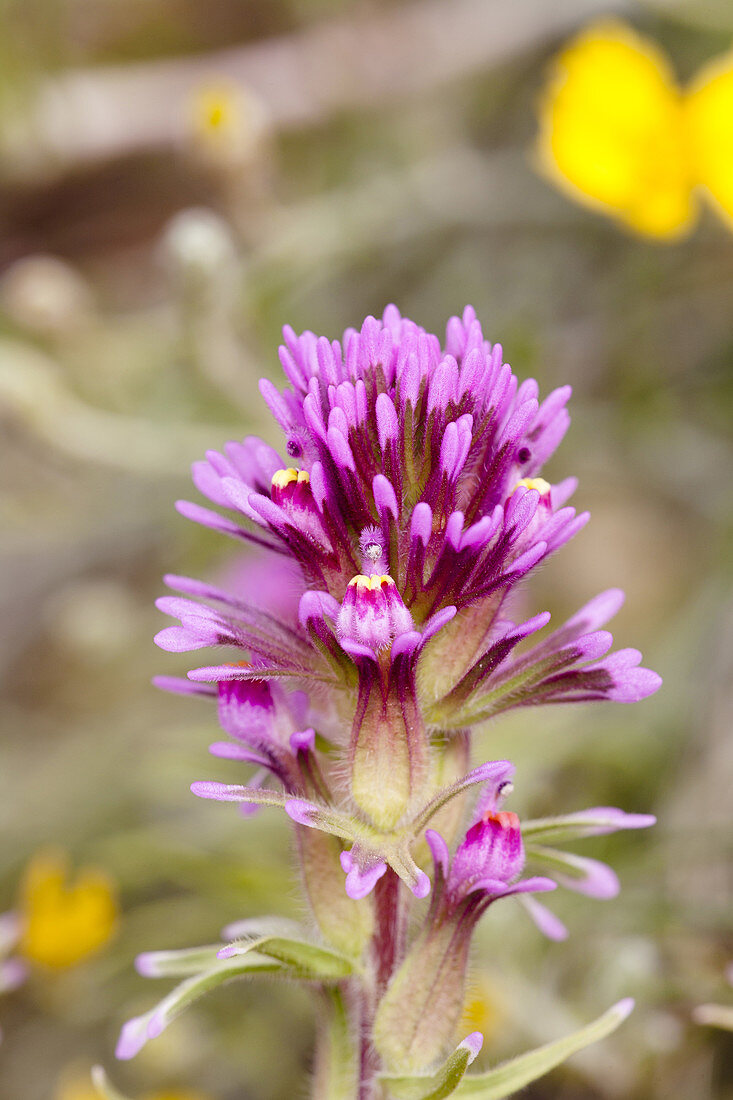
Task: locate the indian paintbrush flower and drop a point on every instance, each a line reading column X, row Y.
column 404, row 511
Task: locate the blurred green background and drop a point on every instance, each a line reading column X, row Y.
column 179, row 179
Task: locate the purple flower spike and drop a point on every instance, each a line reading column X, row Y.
column 420, row 465
column 394, row 527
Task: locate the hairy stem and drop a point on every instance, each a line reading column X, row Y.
column 389, row 930
column 387, row 950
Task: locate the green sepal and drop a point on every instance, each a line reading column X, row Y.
column 344, row 923
column 418, row 1015
column 252, row 928
column 304, row 960
column 443, row 1082
column 336, row 1071
column 505, row 1080
column 104, row 1087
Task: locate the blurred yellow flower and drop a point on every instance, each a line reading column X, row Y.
column 78, row 1086
column 226, row 121
column 618, row 134
column 176, row 1095
column 62, row 923
column 217, row 109
column 482, row 1010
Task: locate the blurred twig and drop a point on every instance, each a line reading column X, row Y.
column 32, row 391
column 350, row 63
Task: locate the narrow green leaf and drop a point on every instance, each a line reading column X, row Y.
column 252, row 928
column 459, row 786
column 318, row 816
column 587, row 876
column 584, row 823
column 235, row 792
column 102, row 1084
column 305, row 960
column 496, row 1084
column 443, row 1082
column 137, row 1031
column 177, row 964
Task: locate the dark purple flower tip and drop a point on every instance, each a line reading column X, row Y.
column 373, row 549
column 498, row 785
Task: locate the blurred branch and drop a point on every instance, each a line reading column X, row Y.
column 32, row 391
column 358, row 61
column 458, row 187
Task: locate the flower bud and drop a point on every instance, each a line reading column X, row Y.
column 372, row 613
column 492, row 850
column 291, row 490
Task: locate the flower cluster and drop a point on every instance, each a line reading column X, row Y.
column 404, row 510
